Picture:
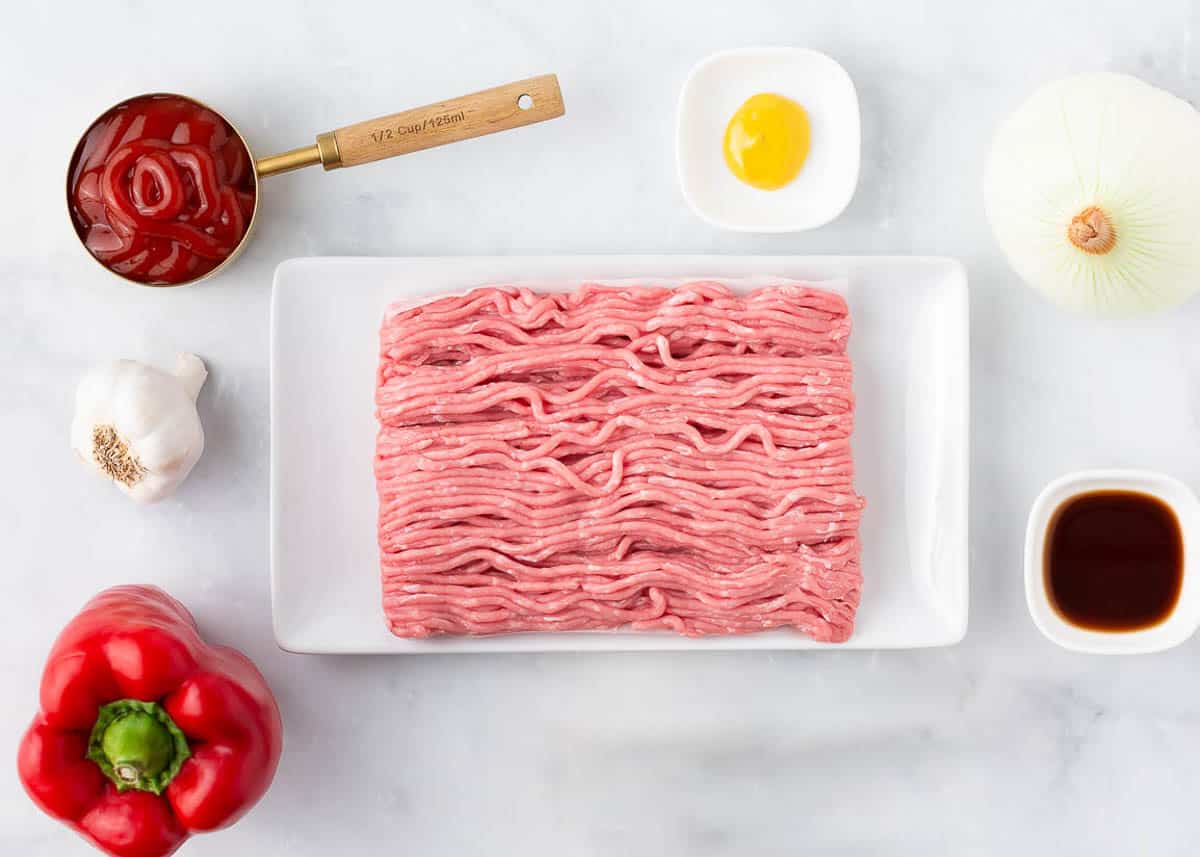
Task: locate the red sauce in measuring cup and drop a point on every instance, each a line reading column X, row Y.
column 161, row 189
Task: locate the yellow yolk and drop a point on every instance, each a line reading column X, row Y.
column 767, row 141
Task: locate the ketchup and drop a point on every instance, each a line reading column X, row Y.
column 161, row 189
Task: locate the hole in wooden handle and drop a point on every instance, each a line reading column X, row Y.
column 525, row 102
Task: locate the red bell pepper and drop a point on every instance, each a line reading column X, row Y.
column 147, row 734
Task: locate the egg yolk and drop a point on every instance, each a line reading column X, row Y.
column 767, row 141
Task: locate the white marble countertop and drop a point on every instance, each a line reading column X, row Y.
column 1001, row 744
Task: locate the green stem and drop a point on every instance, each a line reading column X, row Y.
column 137, row 745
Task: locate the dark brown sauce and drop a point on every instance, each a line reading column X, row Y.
column 1114, row 560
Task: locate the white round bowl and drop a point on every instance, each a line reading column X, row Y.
column 1183, row 620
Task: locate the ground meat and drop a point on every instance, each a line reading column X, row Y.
column 618, row 457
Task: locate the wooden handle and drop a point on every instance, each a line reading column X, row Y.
column 510, row 106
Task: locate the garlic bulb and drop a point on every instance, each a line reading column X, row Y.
column 138, row 425
column 1093, row 190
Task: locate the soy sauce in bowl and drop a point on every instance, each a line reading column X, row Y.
column 1114, row 561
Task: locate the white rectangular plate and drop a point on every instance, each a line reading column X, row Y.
column 910, row 351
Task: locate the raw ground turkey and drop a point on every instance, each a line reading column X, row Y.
column 647, row 458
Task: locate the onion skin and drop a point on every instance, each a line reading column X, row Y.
column 1092, row 188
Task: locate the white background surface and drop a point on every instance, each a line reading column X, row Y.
column 1003, row 744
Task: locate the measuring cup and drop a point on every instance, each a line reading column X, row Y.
column 165, row 212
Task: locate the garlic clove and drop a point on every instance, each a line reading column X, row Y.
column 160, row 452
column 138, row 426
column 191, row 373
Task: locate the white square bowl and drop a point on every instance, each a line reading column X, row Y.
column 1173, row 630
column 717, row 87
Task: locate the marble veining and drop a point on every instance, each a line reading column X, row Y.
column 1003, row 744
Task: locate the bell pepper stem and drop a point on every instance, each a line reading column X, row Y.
column 137, row 745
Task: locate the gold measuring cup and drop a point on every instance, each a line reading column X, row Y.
column 501, row 108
